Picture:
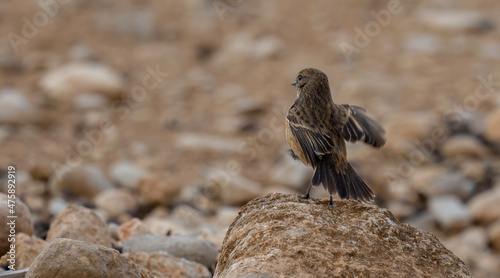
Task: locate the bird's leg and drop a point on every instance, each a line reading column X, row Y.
column 331, row 202
column 306, row 196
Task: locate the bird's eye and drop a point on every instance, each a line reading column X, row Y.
column 299, row 77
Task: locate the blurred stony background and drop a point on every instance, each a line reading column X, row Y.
column 164, row 117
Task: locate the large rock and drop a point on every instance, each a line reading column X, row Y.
column 23, row 222
column 282, row 235
column 80, row 223
column 74, row 258
column 180, row 246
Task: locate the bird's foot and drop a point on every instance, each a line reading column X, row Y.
column 330, row 204
column 305, row 196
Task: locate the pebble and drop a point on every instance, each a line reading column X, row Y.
column 116, row 202
column 90, row 101
column 290, row 173
column 494, row 234
column 23, row 222
column 243, row 45
column 127, row 174
column 490, row 51
column 82, row 181
column 206, row 142
column 450, row 212
column 454, row 20
column 74, row 258
column 453, row 183
column 180, row 246
column 468, row 244
column 236, row 190
column 133, row 227
column 159, row 189
column 463, row 146
column 27, row 248
column 481, row 206
column 15, row 107
column 491, row 131
column 166, row 266
column 80, row 223
column 69, row 80
column 423, row 43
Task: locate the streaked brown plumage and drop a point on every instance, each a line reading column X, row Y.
column 316, row 129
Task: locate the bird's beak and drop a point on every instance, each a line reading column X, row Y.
column 294, row 83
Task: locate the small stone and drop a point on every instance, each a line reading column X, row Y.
column 494, row 234
column 243, row 45
column 133, row 227
column 481, row 206
column 74, row 258
column 401, row 209
column 57, row 205
column 407, row 131
column 116, row 202
column 425, row 177
column 166, row 266
column 159, row 190
column 90, row 101
column 468, row 244
column 282, row 235
column 450, row 184
column 236, row 190
column 66, row 81
column 290, row 173
column 455, row 20
column 15, row 107
column 474, row 170
column 205, row 142
column 424, row 221
column 225, row 216
column 492, row 132
column 80, row 223
column 424, row 43
column 450, row 212
column 23, row 220
column 127, row 174
column 27, row 249
column 486, row 264
column 82, row 181
column 463, row 146
column 180, row 246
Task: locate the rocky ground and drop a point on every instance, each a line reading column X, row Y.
column 155, row 118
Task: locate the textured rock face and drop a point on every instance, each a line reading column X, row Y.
column 74, row 258
column 284, row 236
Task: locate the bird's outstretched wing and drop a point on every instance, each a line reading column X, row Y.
column 314, row 143
column 360, row 127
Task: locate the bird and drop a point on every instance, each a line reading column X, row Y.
column 316, row 130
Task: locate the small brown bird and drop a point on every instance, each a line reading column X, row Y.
column 316, row 129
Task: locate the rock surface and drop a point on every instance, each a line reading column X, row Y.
column 284, row 236
column 74, row 258
column 24, row 221
column 80, row 223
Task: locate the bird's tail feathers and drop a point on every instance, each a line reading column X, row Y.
column 345, row 182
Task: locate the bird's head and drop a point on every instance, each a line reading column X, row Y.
column 311, row 80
